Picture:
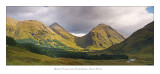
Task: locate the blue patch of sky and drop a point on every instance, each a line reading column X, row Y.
column 150, row 9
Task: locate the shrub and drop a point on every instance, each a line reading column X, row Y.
column 10, row 41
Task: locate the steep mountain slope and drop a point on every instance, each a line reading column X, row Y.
column 140, row 42
column 61, row 31
column 32, row 31
column 10, row 26
column 64, row 34
column 100, row 37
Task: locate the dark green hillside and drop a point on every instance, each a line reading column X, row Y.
column 28, row 55
column 10, row 41
column 20, row 56
column 140, row 42
column 35, row 50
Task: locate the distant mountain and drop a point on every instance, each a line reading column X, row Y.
column 32, row 31
column 100, row 37
column 140, row 42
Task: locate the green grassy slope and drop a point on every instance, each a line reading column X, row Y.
column 100, row 37
column 10, row 26
column 32, row 31
column 20, row 56
column 64, row 34
column 35, row 31
column 140, row 43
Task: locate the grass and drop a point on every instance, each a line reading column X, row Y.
column 19, row 56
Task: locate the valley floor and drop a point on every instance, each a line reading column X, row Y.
column 19, row 56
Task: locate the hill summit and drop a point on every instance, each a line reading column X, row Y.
column 55, row 26
column 101, row 36
column 58, row 29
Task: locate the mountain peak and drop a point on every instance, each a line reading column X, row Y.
column 55, row 24
column 102, row 24
column 57, row 28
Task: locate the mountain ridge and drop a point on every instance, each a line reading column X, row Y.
column 100, row 37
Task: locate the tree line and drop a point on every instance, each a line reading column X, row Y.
column 61, row 53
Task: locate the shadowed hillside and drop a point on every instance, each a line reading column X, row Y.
column 140, row 42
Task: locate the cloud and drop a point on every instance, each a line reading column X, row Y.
column 78, row 34
column 79, row 19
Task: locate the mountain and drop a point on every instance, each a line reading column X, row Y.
column 100, row 37
column 10, row 26
column 140, row 42
column 32, row 31
column 64, row 34
column 61, row 31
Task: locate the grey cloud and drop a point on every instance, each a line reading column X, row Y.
column 126, row 20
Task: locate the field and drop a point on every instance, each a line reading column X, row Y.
column 20, row 56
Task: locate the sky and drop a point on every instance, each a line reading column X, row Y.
column 79, row 20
